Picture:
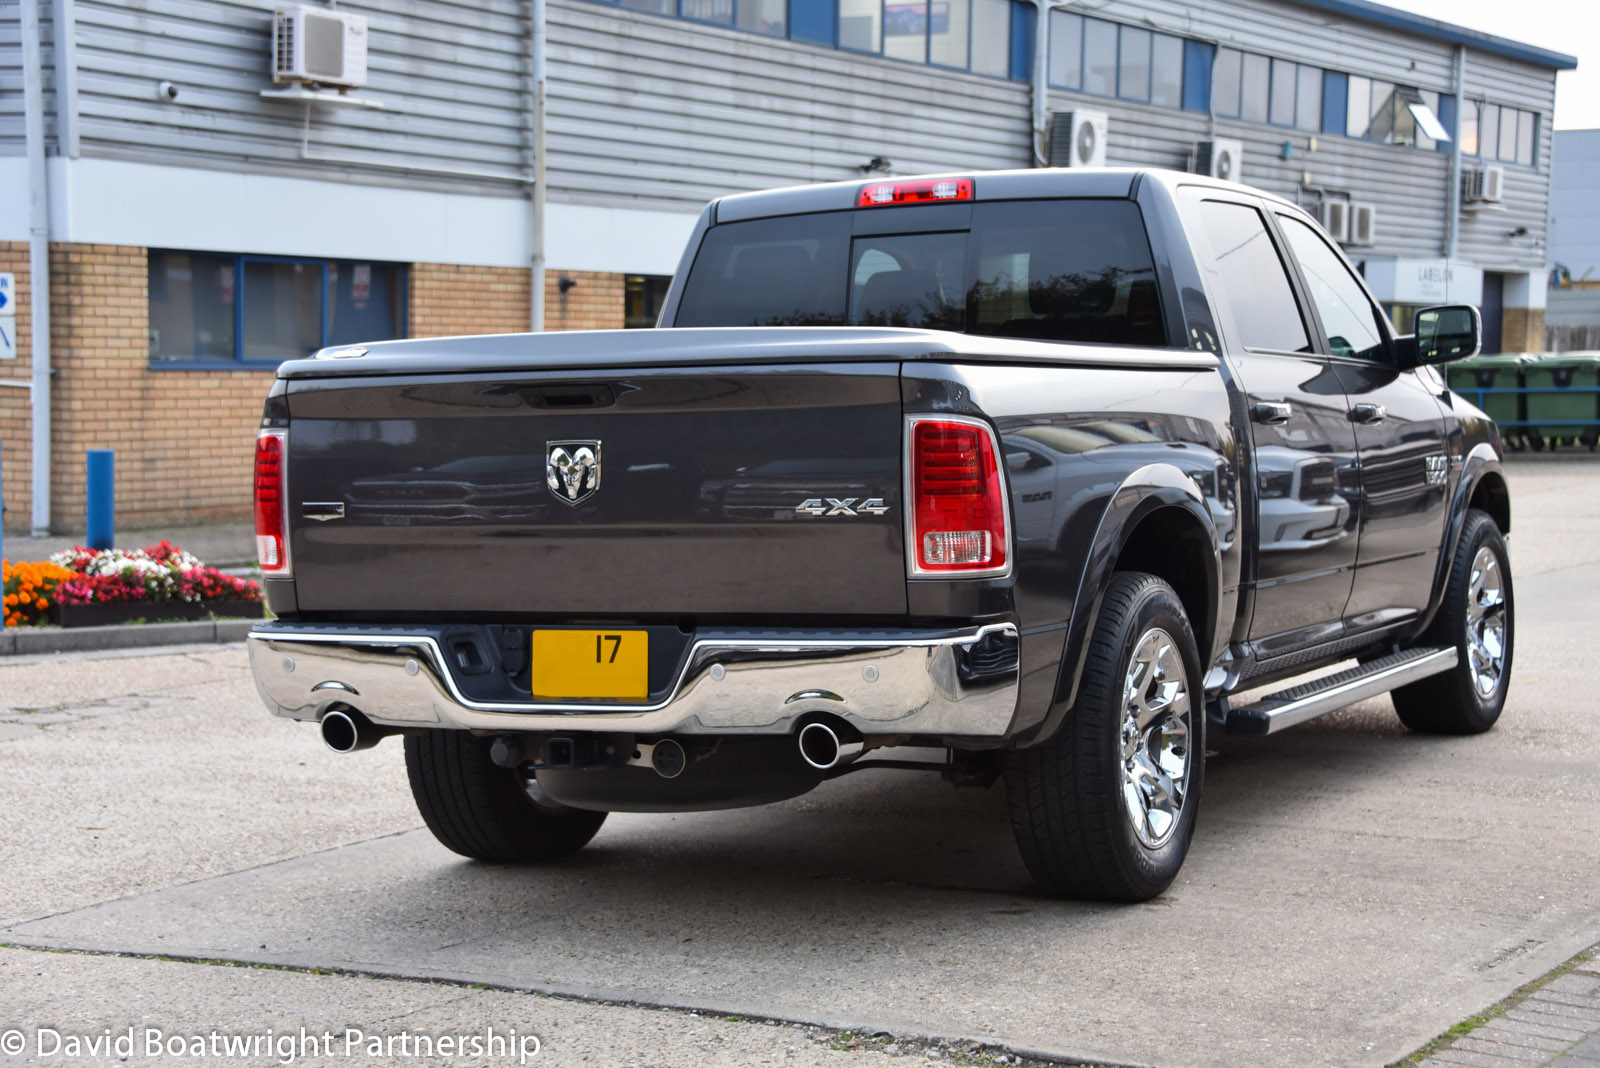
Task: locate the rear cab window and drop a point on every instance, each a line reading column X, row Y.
column 1075, row 270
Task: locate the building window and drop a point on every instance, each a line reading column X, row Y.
column 1395, row 114
column 973, row 35
column 1260, row 89
column 208, row 309
column 757, row 16
column 642, row 298
column 1103, row 58
column 1493, row 132
column 965, row 34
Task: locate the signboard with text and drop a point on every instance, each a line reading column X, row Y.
column 1436, row 281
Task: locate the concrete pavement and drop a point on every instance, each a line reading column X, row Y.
column 1353, row 892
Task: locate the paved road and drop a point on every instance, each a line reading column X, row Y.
column 1353, row 890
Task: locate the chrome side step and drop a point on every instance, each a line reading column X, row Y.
column 1286, row 708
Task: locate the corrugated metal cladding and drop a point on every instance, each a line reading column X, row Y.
column 1573, row 307
column 663, row 113
column 12, row 142
column 1409, row 186
column 453, row 77
column 1486, row 235
column 671, row 114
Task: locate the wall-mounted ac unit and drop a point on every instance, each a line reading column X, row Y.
column 1220, row 159
column 1363, row 223
column 1078, row 138
column 1334, row 215
column 1483, row 185
column 319, row 46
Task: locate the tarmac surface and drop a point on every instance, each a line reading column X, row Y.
column 1354, row 891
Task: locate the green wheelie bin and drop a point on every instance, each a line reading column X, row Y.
column 1563, row 404
column 1494, row 371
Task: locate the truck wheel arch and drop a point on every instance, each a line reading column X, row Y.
column 1483, row 487
column 1155, row 521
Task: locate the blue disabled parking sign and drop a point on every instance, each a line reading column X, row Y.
column 8, row 316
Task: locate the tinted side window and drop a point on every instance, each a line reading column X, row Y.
column 1064, row 270
column 1347, row 315
column 787, row 271
column 1254, row 279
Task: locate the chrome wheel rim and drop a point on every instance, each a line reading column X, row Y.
column 1486, row 622
column 1156, row 727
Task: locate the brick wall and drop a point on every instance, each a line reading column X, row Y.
column 593, row 302
column 16, row 425
column 184, row 439
column 1522, row 330
column 446, row 299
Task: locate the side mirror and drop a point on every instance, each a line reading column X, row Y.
column 1448, row 332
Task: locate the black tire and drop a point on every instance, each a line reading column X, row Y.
column 1072, row 821
column 1452, row 702
column 487, row 812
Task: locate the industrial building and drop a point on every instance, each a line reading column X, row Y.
column 220, row 187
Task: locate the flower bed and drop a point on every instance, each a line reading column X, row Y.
column 82, row 587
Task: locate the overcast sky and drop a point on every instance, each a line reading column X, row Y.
column 1568, row 26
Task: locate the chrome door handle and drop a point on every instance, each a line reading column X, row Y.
column 1367, row 414
column 1271, row 413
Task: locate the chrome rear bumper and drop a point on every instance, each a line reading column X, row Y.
column 947, row 683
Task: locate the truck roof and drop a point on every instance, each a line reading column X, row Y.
column 1028, row 184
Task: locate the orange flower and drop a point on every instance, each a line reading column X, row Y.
column 28, row 586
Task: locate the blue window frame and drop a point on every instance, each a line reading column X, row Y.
column 211, row 311
column 816, row 21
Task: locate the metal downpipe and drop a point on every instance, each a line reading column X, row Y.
column 1452, row 222
column 536, row 197
column 38, row 264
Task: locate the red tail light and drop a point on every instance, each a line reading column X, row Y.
column 957, row 499
column 922, row 191
column 272, row 550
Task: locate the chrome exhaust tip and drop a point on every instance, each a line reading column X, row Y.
column 346, row 731
column 822, row 747
column 668, row 758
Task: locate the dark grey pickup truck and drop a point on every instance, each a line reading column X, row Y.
column 1034, row 476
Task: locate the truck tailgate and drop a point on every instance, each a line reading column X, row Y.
column 428, row 494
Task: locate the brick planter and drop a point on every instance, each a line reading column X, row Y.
column 101, row 615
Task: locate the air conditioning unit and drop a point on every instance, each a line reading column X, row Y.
column 1220, row 159
column 319, row 46
column 1334, row 215
column 1363, row 223
column 1483, row 185
column 1078, row 138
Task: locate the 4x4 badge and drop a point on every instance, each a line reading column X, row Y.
column 841, row 506
column 572, row 469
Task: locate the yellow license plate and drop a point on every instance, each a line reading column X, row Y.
column 611, row 664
